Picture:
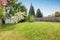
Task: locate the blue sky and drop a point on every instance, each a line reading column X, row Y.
column 47, row 7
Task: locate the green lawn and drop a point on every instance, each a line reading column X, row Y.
column 31, row 31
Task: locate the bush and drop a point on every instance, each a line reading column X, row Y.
column 1, row 13
column 19, row 16
column 1, row 16
column 31, row 18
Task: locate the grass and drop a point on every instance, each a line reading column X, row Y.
column 31, row 31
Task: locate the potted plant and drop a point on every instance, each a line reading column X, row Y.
column 1, row 16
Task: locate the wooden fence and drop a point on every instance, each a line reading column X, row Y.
column 52, row 19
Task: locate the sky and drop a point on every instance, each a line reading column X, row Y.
column 47, row 7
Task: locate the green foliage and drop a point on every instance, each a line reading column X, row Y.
column 39, row 14
column 12, row 2
column 31, row 14
column 1, row 16
column 11, row 11
column 31, row 11
column 31, row 18
column 23, row 9
column 16, row 7
column 57, row 14
column 1, row 13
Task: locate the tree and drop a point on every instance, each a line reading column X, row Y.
column 11, row 2
column 9, row 7
column 38, row 13
column 57, row 14
column 11, row 11
column 31, row 14
column 31, row 11
column 23, row 8
column 16, row 7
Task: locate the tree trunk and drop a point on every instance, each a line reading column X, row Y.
column 0, row 23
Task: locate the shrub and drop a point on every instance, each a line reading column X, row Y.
column 19, row 16
column 1, row 16
column 31, row 18
column 1, row 13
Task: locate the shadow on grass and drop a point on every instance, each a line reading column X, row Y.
column 7, row 27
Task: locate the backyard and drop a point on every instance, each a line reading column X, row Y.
column 29, row 20
column 31, row 31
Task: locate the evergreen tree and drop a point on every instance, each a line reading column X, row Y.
column 39, row 14
column 31, row 11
